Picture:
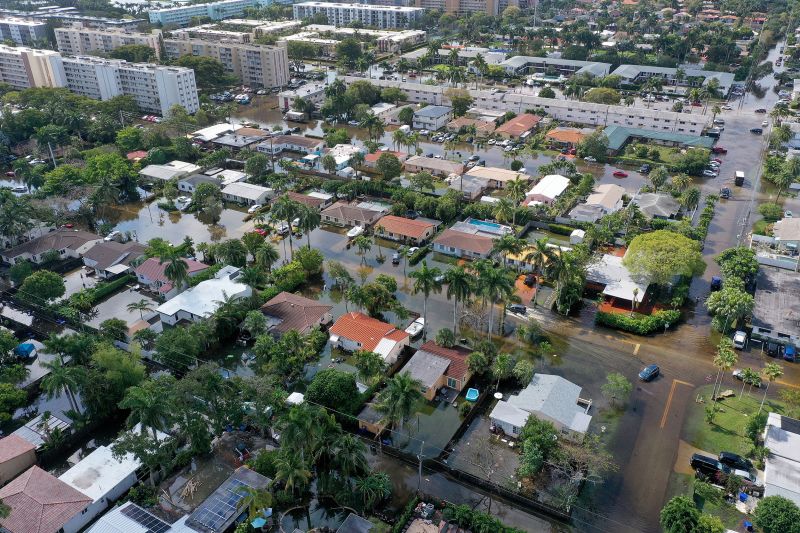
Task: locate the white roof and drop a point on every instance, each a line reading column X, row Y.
column 100, row 473
column 203, row 299
column 295, row 398
column 229, row 176
column 554, row 397
column 117, row 521
column 489, row 199
column 505, row 412
column 497, row 174
column 385, row 347
column 550, row 186
column 782, row 437
column 169, row 170
column 782, row 478
column 320, row 195
column 606, row 195
column 610, row 271
column 212, row 132
column 246, row 190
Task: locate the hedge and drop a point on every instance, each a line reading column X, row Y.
column 205, row 275
column 103, row 289
column 561, row 229
column 408, row 512
column 638, row 324
column 417, row 256
column 286, row 278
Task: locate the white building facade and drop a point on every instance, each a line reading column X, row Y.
column 22, row 31
column 369, row 15
column 182, row 15
column 79, row 40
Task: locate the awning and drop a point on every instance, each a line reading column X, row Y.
column 117, row 269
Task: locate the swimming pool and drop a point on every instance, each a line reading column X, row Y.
column 490, row 228
column 491, row 225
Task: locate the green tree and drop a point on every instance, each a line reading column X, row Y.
column 177, row 269
column 257, row 167
column 114, row 329
column 389, row 166
column 61, row 378
column 208, row 72
column 658, row 177
column 770, row 211
column 333, row 389
column 266, row 255
column 422, row 181
column 502, row 368
column 547, row 92
column 593, row 145
column 178, row 348
column 679, row 515
column 373, row 488
column 709, row 524
column 602, row 95
column 445, row 337
column 349, row 50
column 150, row 404
column 776, row 514
column 523, row 372
column 661, row 255
column 399, row 399
column 286, row 209
column 129, row 139
column 291, row 470
column 460, row 286
column 406, row 115
column 143, row 306
column 729, row 305
column 370, row 365
column 41, row 287
column 134, row 53
column 772, row 371
column 11, row 399
column 426, row 281
column 460, row 100
column 739, row 262
column 617, row 388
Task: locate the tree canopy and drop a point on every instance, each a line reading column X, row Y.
column 661, row 255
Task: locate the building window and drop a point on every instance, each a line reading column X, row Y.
column 452, row 383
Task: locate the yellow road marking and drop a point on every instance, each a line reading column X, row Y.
column 669, row 400
column 636, row 350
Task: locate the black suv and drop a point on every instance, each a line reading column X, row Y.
column 703, row 464
column 735, row 461
column 774, row 349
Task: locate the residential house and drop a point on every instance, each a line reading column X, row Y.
column 547, row 190
column 498, row 178
column 111, row 258
column 63, row 243
column 37, row 430
column 461, row 244
column 189, row 183
column 355, row 524
column 434, row 166
column 292, row 312
column 167, row 171
column 210, row 133
column 16, row 456
column 691, row 77
column 614, row 280
column 564, row 137
column 314, row 200
column 247, row 193
column 776, row 310
column 619, row 136
column 432, row 117
column 343, row 153
column 371, row 160
column 152, row 274
column 356, row 331
column 483, row 128
column 414, row 231
column 41, row 503
column 130, row 518
column 549, row 398
column 782, row 464
column 240, row 139
column 606, row 199
column 345, row 214
column 219, row 512
column 291, row 143
column 226, row 176
column 657, row 205
column 519, row 127
column 202, row 300
column 470, row 187
column 371, row 420
column 436, row 366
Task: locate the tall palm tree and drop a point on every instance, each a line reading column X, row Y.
column 267, row 255
column 459, row 288
column 516, row 193
column 495, row 284
column 426, row 281
column 399, row 399
column 286, row 209
column 61, row 378
column 724, row 360
column 364, row 245
column 539, row 255
column 507, row 245
column 350, row 456
column 291, row 469
column 772, row 371
column 373, row 488
column 150, row 404
column 374, row 126
column 399, row 139
column 310, row 219
column 142, row 306
column 177, row 270
column 504, row 210
column 296, row 427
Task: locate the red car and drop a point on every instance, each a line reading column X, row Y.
column 697, row 104
column 717, row 160
column 261, row 232
column 11, row 174
column 719, row 150
column 620, row 174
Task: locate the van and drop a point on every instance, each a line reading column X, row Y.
column 405, row 128
column 705, row 465
column 789, row 353
column 738, row 178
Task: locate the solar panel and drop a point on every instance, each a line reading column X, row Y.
column 215, row 513
column 145, row 519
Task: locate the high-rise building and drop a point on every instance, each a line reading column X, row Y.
column 155, row 88
column 24, row 68
column 79, row 40
column 462, row 7
column 368, row 15
column 22, row 31
column 254, row 64
column 224, row 9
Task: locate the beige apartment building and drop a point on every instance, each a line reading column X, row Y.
column 79, row 40
column 255, row 65
column 460, row 7
column 24, row 68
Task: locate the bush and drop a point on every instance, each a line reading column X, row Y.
column 417, row 256
column 264, row 463
column 638, row 324
column 205, row 275
column 143, row 495
column 770, row 211
column 561, row 229
column 400, row 525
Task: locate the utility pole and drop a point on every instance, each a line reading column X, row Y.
column 121, row 118
column 52, row 155
column 419, row 469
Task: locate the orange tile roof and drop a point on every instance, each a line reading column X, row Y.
column 373, row 157
column 519, row 124
column 566, row 135
column 13, row 446
column 458, row 368
column 365, row 330
column 40, row 502
column 404, row 226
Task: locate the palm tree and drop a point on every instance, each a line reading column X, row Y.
column 772, row 371
column 310, row 219
column 291, row 469
column 495, row 284
column 749, row 377
column 507, row 245
column 724, row 360
column 296, row 426
column 142, row 306
column 364, row 245
column 61, row 378
column 150, row 405
column 426, row 281
column 516, row 192
column 257, row 500
column 374, row 126
column 399, row 399
column 177, row 270
column 539, row 255
column 459, row 288
column 350, row 456
column 286, row 209
column 266, row 256
column 373, row 488
column 399, row 139
column 504, row 210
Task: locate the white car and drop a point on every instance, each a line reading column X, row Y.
column 424, row 132
column 590, row 159
column 113, row 236
column 353, row 123
column 765, row 124
column 727, row 107
column 412, row 250
column 416, row 327
column 787, row 214
column 709, row 174
column 254, row 208
column 490, row 141
column 739, row 340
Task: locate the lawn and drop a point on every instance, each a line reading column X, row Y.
column 760, row 227
column 728, row 430
column 683, row 484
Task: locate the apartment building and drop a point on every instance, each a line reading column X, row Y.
column 314, row 93
column 554, row 66
column 254, row 64
column 80, row 40
column 463, row 7
column 22, row 31
column 564, row 110
column 387, row 40
column 155, row 88
column 210, row 32
column 182, row 15
column 24, row 68
column 70, row 15
column 368, row 15
column 685, row 77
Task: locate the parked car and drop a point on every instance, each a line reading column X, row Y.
column 706, row 465
column 709, row 174
column 716, row 283
column 719, row 150
column 518, row 308
column 774, row 349
column 739, row 340
column 649, row 373
column 761, row 110
column 644, row 169
column 756, row 131
column 416, row 327
column 530, row 280
column 620, row 174
column 412, row 250
column 765, row 124
column 790, row 353
column 735, row 461
column 590, row 159
column 725, row 193
column 787, row 214
column 253, row 208
column 114, row 235
column 395, row 259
